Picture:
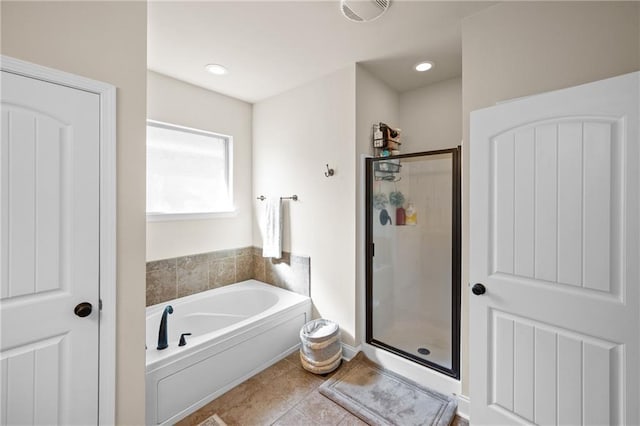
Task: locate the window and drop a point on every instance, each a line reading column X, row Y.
column 188, row 172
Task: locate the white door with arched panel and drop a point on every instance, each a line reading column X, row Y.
column 52, row 185
column 554, row 257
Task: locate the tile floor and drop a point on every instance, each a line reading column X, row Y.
column 283, row 394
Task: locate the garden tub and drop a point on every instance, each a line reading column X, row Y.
column 236, row 331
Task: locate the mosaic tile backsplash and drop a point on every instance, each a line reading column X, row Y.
column 169, row 279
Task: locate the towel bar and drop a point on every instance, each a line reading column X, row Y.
column 293, row 197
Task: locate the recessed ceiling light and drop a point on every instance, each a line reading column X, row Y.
column 216, row 69
column 424, row 66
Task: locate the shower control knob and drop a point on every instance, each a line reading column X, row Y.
column 478, row 289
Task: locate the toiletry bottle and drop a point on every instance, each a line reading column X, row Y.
column 411, row 215
column 400, row 216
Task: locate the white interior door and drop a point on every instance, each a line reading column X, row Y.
column 50, row 173
column 554, row 240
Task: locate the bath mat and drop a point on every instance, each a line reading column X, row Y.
column 214, row 420
column 380, row 397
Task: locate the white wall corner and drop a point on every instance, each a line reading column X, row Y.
column 348, row 351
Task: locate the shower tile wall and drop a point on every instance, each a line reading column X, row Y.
column 168, row 279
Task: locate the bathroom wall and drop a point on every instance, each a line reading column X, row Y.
column 517, row 49
column 106, row 41
column 176, row 102
column 294, row 135
column 431, row 116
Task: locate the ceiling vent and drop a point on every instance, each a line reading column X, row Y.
column 363, row 10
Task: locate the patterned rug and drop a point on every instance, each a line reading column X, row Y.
column 380, row 397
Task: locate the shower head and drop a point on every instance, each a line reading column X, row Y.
column 364, row 10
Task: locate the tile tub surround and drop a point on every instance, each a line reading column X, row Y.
column 290, row 272
column 169, row 279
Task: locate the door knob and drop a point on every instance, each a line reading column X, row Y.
column 83, row 309
column 478, row 289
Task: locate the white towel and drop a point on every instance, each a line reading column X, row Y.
column 272, row 228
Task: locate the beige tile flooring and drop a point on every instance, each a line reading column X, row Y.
column 283, row 394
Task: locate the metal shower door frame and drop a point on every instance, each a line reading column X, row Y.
column 456, row 259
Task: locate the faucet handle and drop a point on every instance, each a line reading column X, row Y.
column 183, row 341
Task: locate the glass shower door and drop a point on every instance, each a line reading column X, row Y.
column 413, row 257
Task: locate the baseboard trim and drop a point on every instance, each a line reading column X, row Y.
column 463, row 406
column 348, row 351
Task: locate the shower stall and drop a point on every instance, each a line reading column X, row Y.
column 413, row 257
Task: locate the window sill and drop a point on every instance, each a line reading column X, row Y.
column 171, row 217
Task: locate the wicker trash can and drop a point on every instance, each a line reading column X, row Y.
column 321, row 350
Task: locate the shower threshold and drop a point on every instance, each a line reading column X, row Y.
column 413, row 343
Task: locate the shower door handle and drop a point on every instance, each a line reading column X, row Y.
column 478, row 289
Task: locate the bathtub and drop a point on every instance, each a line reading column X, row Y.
column 236, row 331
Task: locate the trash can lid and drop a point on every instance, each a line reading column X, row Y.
column 319, row 329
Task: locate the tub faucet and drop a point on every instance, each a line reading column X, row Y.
column 162, row 333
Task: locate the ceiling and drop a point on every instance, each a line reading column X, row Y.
column 270, row 47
